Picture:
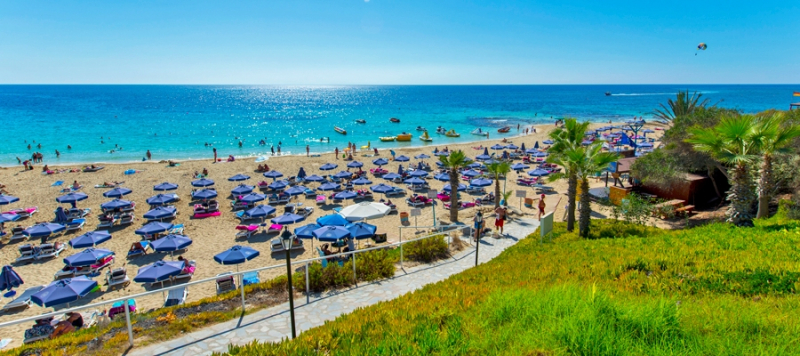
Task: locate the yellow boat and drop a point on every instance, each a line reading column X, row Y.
column 387, row 138
column 425, row 137
column 340, row 130
column 452, row 133
column 404, row 137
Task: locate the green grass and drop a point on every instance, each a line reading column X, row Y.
column 710, row 290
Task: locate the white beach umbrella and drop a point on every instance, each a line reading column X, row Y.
column 365, row 211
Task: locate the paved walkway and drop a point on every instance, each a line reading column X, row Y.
column 272, row 324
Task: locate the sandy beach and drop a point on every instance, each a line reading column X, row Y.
column 211, row 235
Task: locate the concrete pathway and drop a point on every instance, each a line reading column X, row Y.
column 273, row 324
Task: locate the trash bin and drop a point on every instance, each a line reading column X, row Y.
column 403, row 217
column 529, row 202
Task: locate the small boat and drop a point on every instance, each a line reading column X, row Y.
column 608, row 93
column 340, row 130
column 361, row 121
column 395, row 120
column 480, row 132
column 425, row 137
column 452, row 133
column 387, row 138
column 441, row 130
column 420, row 128
column 404, row 137
column 504, row 129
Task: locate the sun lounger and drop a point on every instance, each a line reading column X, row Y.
column 49, row 250
column 107, row 222
column 17, row 234
column 277, row 246
column 176, row 297
column 321, row 199
column 105, row 262
column 176, row 229
column 245, row 231
column 26, row 254
column 542, row 189
column 487, row 199
column 76, row 213
column 139, row 252
column 23, row 301
column 187, row 272
column 117, row 277
column 225, row 282
column 75, row 225
column 126, row 219
column 26, row 212
column 396, row 191
column 129, row 208
column 280, row 199
column 118, row 308
column 250, row 278
column 273, row 228
column 213, row 206
column 475, row 190
column 236, row 205
column 309, row 193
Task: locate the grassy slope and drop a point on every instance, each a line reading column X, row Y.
column 710, row 290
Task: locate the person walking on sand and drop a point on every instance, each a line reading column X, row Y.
column 542, row 205
column 149, row 155
column 517, row 127
column 272, row 149
column 500, row 218
column 336, row 153
column 308, row 151
column 215, row 155
column 279, row 149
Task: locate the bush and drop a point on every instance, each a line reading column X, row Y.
column 370, row 266
column 426, row 249
column 374, row 265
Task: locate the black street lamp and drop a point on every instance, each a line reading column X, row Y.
column 287, row 239
column 478, row 230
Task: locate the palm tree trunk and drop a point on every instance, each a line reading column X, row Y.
column 764, row 188
column 586, row 209
column 741, row 195
column 714, row 183
column 496, row 192
column 453, row 195
column 572, row 191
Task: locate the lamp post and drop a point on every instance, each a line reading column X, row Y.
column 287, row 239
column 478, row 230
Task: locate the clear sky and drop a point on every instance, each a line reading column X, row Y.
column 399, row 42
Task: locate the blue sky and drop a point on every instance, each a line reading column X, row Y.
column 399, row 42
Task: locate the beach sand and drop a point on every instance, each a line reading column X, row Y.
column 216, row 234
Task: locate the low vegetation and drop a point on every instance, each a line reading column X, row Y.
column 710, row 290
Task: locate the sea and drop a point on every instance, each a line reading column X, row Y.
column 119, row 123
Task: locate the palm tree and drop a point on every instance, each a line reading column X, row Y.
column 772, row 137
column 564, row 139
column 454, row 162
column 733, row 141
column 497, row 170
column 588, row 161
column 682, row 106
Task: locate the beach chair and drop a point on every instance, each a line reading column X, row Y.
column 245, row 231
column 17, row 234
column 309, row 193
column 129, row 208
column 487, row 199
column 273, row 228
column 105, row 262
column 75, row 225
column 188, row 272
column 415, row 203
column 236, row 205
column 475, row 190
column 49, row 250
column 67, row 272
column 76, row 213
column 305, row 211
column 26, row 212
column 176, row 297
column 126, row 219
column 23, row 301
column 396, row 192
column 26, row 254
column 117, row 277
column 379, row 238
column 262, row 185
column 250, row 278
column 277, row 246
column 106, row 222
column 321, row 200
column 225, row 282
column 118, row 308
column 136, row 252
column 176, row 229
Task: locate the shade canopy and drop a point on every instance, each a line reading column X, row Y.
column 519, row 166
column 511, row 146
column 361, row 230
column 480, row 182
column 328, row 166
column 444, row 177
column 163, row 187
column 9, row 279
column 242, row 189
column 72, row 197
column 158, row 271
column 460, row 187
column 497, row 146
column 314, row 178
column 203, row 183
column 332, row 220
column 171, row 243
column 161, row 212
column 273, row 174
column 116, row 204
column 382, row 188
column 154, row 227
column 422, row 156
column 345, row 195
column 414, row 181
column 306, row 231
column 343, row 175
column 328, row 186
column 7, row 199
column 471, row 173
column 117, row 192
column 538, row 154
column 538, row 172
column 89, row 239
column 238, row 178
column 380, row 162
column 391, row 176
column 259, row 211
column 418, row 173
column 301, row 173
column 362, row 181
column 288, row 218
column 87, row 257
column 253, row 198
column 205, row 194
column 402, row 158
column 43, row 229
column 364, row 211
column 296, row 190
column 63, row 291
column 8, row 217
column 331, row 233
column 476, row 165
column 161, row 199
column 484, row 156
column 236, row 255
column 355, row 164
column 278, row 185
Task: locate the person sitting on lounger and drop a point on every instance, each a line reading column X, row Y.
column 76, row 319
column 187, row 267
column 137, row 247
column 75, row 185
column 63, row 327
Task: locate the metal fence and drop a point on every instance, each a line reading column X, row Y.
column 437, row 231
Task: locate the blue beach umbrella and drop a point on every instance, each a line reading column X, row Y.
column 498, row 146
column 484, row 156
column 511, row 146
column 90, row 239
column 459, row 188
column 480, row 182
column 441, row 153
column 343, row 175
column 9, row 279
column 259, row 211
column 332, row 220
column 288, row 218
column 43, row 229
column 418, row 174
column 519, row 167
column 646, row 144
column 63, row 291
column 538, row 172
column 165, row 187
column 273, row 174
column 391, row 176
column 444, row 177
column 402, row 158
column 242, row 189
column 253, row 198
column 355, row 164
column 380, row 162
column 116, row 204
column 159, row 271
column 61, row 216
column 523, row 147
column 471, row 173
column 238, row 178
column 301, row 173
column 345, row 195
column 306, row 231
column 361, row 230
column 203, row 183
column 278, row 185
column 5, row 217
column 236, row 255
column 7, row 199
column 328, row 186
column 328, row 167
column 117, row 192
column 72, row 197
column 331, row 233
column 414, row 181
column 476, row 165
column 422, row 156
column 161, row 199
column 296, row 190
column 160, row 212
column 539, row 154
column 400, row 169
column 171, row 243
column 546, row 142
column 205, row 194
column 87, row 257
column 382, row 188
column 362, row 181
column 154, row 227
column 314, row 178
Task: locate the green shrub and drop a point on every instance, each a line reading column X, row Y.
column 374, row 265
column 426, row 249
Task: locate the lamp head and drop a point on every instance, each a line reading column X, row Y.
column 286, row 238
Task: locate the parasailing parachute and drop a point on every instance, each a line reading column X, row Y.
column 701, row 47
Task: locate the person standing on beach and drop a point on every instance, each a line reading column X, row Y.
column 58, row 154
column 500, row 218
column 542, row 205
column 272, row 148
column 308, row 151
column 149, row 155
column 215, row 155
column 336, row 153
column 517, row 127
column 279, row 149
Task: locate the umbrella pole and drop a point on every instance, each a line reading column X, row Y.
column 241, row 286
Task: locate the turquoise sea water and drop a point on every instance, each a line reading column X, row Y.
column 175, row 122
